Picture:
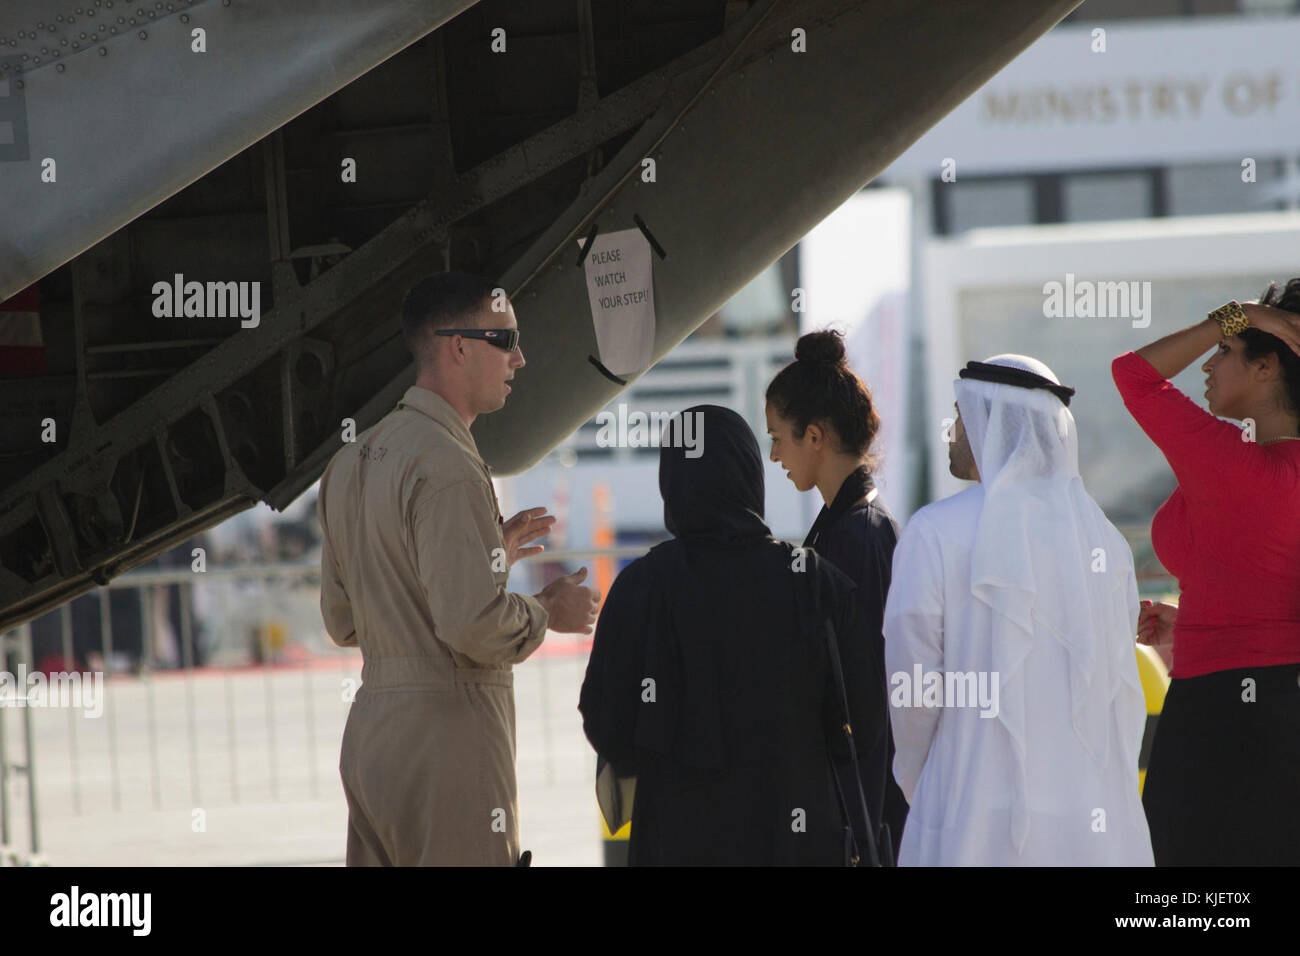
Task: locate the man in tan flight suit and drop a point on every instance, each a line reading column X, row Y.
column 413, row 571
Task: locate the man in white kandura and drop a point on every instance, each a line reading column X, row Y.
column 1019, row 585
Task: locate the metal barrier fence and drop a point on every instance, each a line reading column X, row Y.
column 145, row 672
column 19, row 642
column 229, row 756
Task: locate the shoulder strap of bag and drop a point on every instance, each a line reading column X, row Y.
column 873, row 856
column 837, row 670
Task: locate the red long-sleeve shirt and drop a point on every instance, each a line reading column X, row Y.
column 1230, row 532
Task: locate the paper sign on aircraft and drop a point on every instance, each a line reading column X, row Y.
column 620, row 286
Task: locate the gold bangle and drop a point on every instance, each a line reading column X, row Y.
column 1231, row 318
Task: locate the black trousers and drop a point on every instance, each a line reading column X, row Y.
column 1223, row 783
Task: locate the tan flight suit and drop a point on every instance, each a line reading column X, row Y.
column 411, row 527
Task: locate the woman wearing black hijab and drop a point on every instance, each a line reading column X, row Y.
column 822, row 422
column 710, row 678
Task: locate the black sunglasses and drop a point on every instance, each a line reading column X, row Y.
column 507, row 340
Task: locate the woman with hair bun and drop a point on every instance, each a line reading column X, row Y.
column 822, row 422
column 1223, row 782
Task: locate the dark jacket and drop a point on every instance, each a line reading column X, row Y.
column 857, row 534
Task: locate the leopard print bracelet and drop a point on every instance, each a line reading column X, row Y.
column 1231, row 318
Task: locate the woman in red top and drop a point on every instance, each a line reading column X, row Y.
column 1223, row 782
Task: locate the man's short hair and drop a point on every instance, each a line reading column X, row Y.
column 446, row 300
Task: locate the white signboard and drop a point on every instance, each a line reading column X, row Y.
column 620, row 287
column 1217, row 89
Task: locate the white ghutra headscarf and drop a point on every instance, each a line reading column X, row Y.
column 1045, row 553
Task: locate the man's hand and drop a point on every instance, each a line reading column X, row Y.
column 570, row 606
column 1156, row 624
column 526, row 526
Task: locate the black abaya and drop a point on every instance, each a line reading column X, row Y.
column 710, row 681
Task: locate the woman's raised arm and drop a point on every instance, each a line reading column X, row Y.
column 1173, row 353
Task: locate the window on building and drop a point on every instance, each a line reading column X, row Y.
column 993, row 202
column 1210, row 188
column 1089, row 197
